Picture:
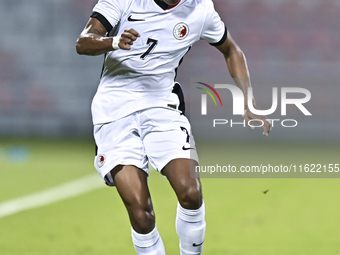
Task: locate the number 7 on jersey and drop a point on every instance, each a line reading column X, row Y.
column 153, row 44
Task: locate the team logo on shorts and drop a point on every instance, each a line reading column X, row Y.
column 101, row 158
column 181, row 31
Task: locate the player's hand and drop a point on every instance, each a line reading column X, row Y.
column 127, row 38
column 249, row 116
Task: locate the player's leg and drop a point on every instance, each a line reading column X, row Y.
column 170, row 149
column 188, row 189
column 121, row 161
column 132, row 187
column 190, row 219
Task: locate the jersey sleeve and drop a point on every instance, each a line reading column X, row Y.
column 214, row 31
column 108, row 12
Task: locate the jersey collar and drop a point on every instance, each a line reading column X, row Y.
column 165, row 6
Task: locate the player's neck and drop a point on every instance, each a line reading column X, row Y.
column 171, row 3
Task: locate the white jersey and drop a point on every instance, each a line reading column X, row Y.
column 143, row 77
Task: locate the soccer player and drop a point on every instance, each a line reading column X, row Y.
column 138, row 111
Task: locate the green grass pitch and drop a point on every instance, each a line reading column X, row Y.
column 295, row 216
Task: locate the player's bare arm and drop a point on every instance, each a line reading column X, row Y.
column 93, row 40
column 238, row 68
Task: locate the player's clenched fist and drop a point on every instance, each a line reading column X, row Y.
column 127, row 38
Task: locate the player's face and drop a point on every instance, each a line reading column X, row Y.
column 171, row 2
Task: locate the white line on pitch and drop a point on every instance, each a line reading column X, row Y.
column 49, row 196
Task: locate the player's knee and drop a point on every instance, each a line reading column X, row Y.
column 143, row 220
column 191, row 198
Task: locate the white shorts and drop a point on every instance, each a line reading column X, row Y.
column 154, row 135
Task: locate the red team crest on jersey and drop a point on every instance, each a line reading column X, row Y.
column 181, row 31
column 101, row 160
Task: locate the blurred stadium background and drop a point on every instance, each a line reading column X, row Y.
column 46, row 88
column 46, row 133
